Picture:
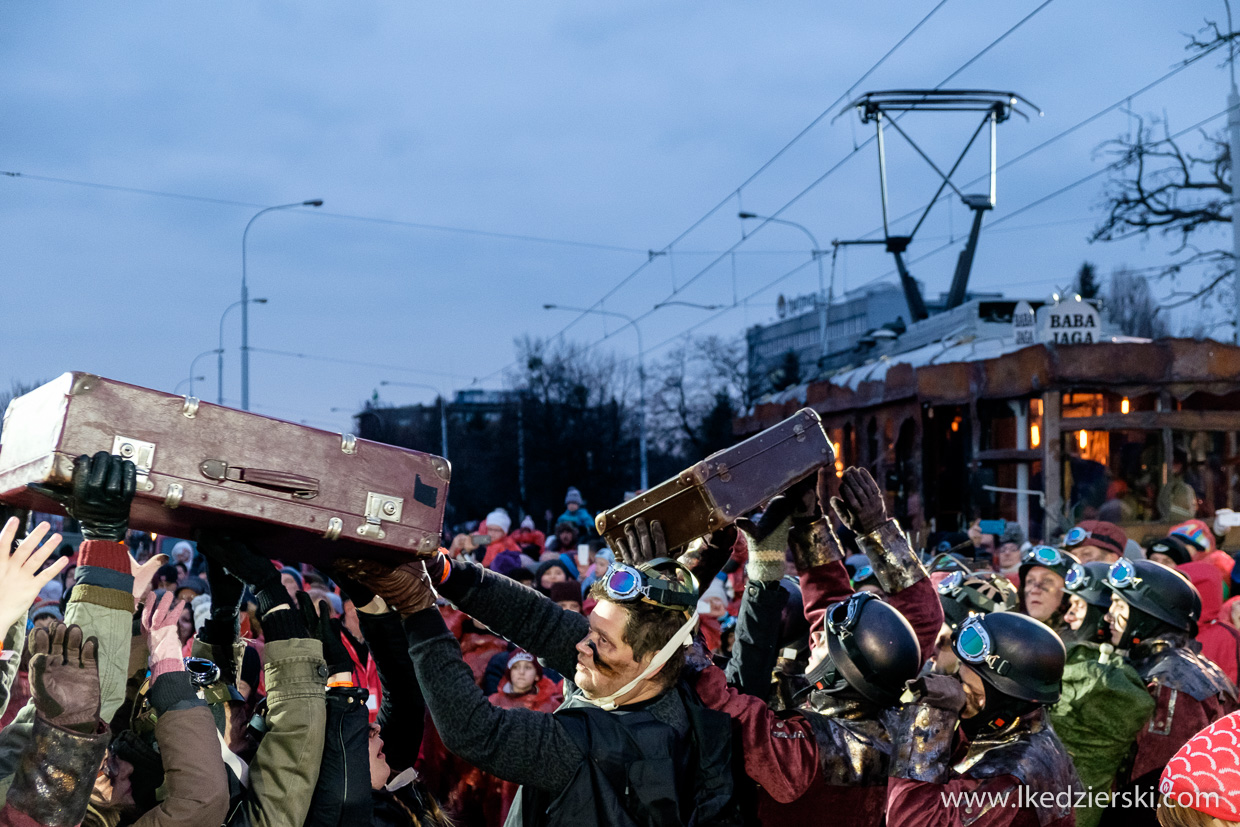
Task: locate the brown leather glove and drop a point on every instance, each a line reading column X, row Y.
column 644, row 542
column 64, row 677
column 405, row 588
column 860, row 505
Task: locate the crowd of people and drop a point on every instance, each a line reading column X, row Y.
column 806, row 664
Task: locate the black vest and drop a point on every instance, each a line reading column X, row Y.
column 639, row 771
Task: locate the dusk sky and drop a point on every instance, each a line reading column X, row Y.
column 615, row 128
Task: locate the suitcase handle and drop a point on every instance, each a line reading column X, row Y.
column 301, row 487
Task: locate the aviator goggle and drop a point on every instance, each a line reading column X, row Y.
column 1076, row 536
column 625, row 584
column 951, row 584
column 1076, row 578
column 1123, row 574
column 843, row 616
column 973, row 645
column 1045, row 555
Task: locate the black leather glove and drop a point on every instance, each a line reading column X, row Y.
column 99, row 497
column 860, row 505
column 224, row 624
column 221, row 549
column 327, row 630
column 939, row 691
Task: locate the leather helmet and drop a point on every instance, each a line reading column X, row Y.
column 873, row 647
column 1088, row 581
column 1162, row 593
column 1014, row 654
column 982, row 592
column 1048, row 557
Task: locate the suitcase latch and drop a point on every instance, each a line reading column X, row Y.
column 141, row 454
column 380, row 507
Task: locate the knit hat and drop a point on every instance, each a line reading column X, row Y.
column 520, row 656
column 296, row 575
column 527, row 523
column 1012, row 533
column 335, row 602
column 1172, row 546
column 1196, row 533
column 194, row 584
column 167, row 572
column 51, row 610
column 573, row 496
column 566, row 590
column 506, row 562
column 499, row 519
column 52, row 591
column 1202, row 775
column 182, row 549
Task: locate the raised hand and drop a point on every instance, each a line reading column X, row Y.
column 327, row 630
column 19, row 571
column 405, row 588
column 100, row 495
column 860, row 505
column 64, row 677
column 233, row 554
column 644, row 542
column 159, row 625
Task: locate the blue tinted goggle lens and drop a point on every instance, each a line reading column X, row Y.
column 1075, row 536
column 863, row 573
column 973, row 643
column 1076, row 577
column 951, row 583
column 622, row 582
column 1121, row 574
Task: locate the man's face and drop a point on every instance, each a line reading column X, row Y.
column 974, row 691
column 945, row 660
column 1008, row 556
column 1075, row 615
column 522, row 675
column 113, row 785
column 604, row 661
column 1118, row 618
column 379, row 769
column 1093, row 554
column 1161, row 559
column 1043, row 593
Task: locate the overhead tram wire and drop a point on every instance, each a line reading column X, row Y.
column 789, row 203
column 1032, row 204
column 737, row 190
column 345, row 216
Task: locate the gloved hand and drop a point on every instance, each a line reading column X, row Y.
column 767, row 537
column 99, row 497
column 226, row 589
column 19, row 572
column 939, row 691
column 362, row 598
column 64, row 677
column 643, row 542
column 159, row 625
column 860, row 506
column 327, row 630
column 406, row 588
column 224, row 550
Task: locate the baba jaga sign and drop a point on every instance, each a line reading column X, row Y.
column 1071, row 321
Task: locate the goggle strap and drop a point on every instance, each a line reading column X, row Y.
column 680, row 639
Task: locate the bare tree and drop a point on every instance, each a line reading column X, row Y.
column 699, row 388
column 1160, row 186
column 1130, row 305
column 15, row 390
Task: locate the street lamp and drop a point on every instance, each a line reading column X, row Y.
column 443, row 410
column 219, row 363
column 191, row 380
column 817, row 252
column 193, row 364
column 245, row 298
column 641, row 378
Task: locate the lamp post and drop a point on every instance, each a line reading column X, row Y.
column 641, row 378
column 219, row 361
column 191, row 380
column 245, row 298
column 443, row 410
column 193, row 364
column 690, row 304
column 817, row 252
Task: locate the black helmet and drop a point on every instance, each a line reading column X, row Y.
column 1015, row 655
column 1175, row 547
column 1048, row 557
column 982, row 592
column 1088, row 581
column 873, row 649
column 1158, row 597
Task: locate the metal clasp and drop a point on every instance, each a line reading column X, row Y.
column 190, row 408
column 348, row 443
column 380, row 507
column 141, row 454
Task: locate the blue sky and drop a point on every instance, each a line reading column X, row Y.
column 616, row 126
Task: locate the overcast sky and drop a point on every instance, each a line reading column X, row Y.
column 583, row 122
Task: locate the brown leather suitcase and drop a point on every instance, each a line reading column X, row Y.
column 295, row 493
column 727, row 484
